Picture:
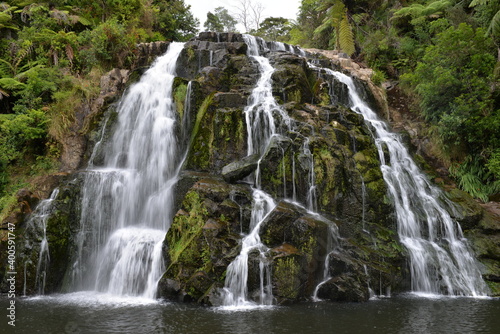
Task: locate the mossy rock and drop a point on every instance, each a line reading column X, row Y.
column 293, row 80
column 299, row 243
column 61, row 229
column 218, row 137
column 203, row 239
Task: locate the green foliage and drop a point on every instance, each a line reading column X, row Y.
column 336, row 19
column 455, row 89
column 475, row 179
column 454, row 93
column 418, row 12
column 213, row 23
column 275, row 29
column 174, row 20
column 490, row 9
column 220, row 21
column 493, row 164
column 40, row 83
column 108, row 44
column 308, row 20
column 20, row 134
column 6, row 16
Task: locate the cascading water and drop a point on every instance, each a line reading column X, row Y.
column 265, row 118
column 38, row 221
column 440, row 259
column 332, row 247
column 235, row 290
column 127, row 204
column 260, row 128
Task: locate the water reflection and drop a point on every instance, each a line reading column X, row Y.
column 77, row 313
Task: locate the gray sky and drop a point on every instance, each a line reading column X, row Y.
column 275, row 8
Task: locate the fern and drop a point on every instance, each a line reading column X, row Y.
column 494, row 27
column 418, row 11
column 478, row 2
column 6, row 69
column 336, row 19
column 346, row 37
column 327, row 24
column 11, row 84
column 474, row 178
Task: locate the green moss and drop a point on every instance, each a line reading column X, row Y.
column 190, row 53
column 179, row 95
column 202, row 137
column 326, row 174
column 494, row 288
column 286, row 277
column 308, row 248
column 294, row 95
column 185, row 229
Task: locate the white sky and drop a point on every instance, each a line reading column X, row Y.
column 272, row 8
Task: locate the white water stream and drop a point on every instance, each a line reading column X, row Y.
column 440, row 259
column 265, row 118
column 127, row 204
column 38, row 222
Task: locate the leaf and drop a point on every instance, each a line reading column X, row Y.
column 478, row 2
column 6, row 69
column 11, row 84
column 327, row 23
column 494, row 28
column 346, row 36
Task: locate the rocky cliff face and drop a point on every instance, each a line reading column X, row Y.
column 214, row 193
column 349, row 185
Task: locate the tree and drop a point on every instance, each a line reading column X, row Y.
column 226, row 19
column 308, row 19
column 220, row 21
column 175, row 20
column 494, row 20
column 213, row 23
column 249, row 14
column 275, row 29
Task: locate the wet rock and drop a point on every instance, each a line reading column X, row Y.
column 204, row 239
column 238, row 170
column 344, row 288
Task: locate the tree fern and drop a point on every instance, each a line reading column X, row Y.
column 336, row 19
column 346, row 37
column 6, row 16
column 494, row 27
column 418, row 11
column 478, row 2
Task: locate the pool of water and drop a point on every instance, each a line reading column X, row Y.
column 96, row 313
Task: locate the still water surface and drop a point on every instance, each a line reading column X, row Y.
column 90, row 313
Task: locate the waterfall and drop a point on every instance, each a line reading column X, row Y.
column 38, row 223
column 127, row 203
column 235, row 290
column 440, row 259
column 332, row 247
column 260, row 128
column 265, row 119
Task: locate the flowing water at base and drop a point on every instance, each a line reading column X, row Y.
column 101, row 313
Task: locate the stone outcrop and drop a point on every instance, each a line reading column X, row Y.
column 350, row 192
